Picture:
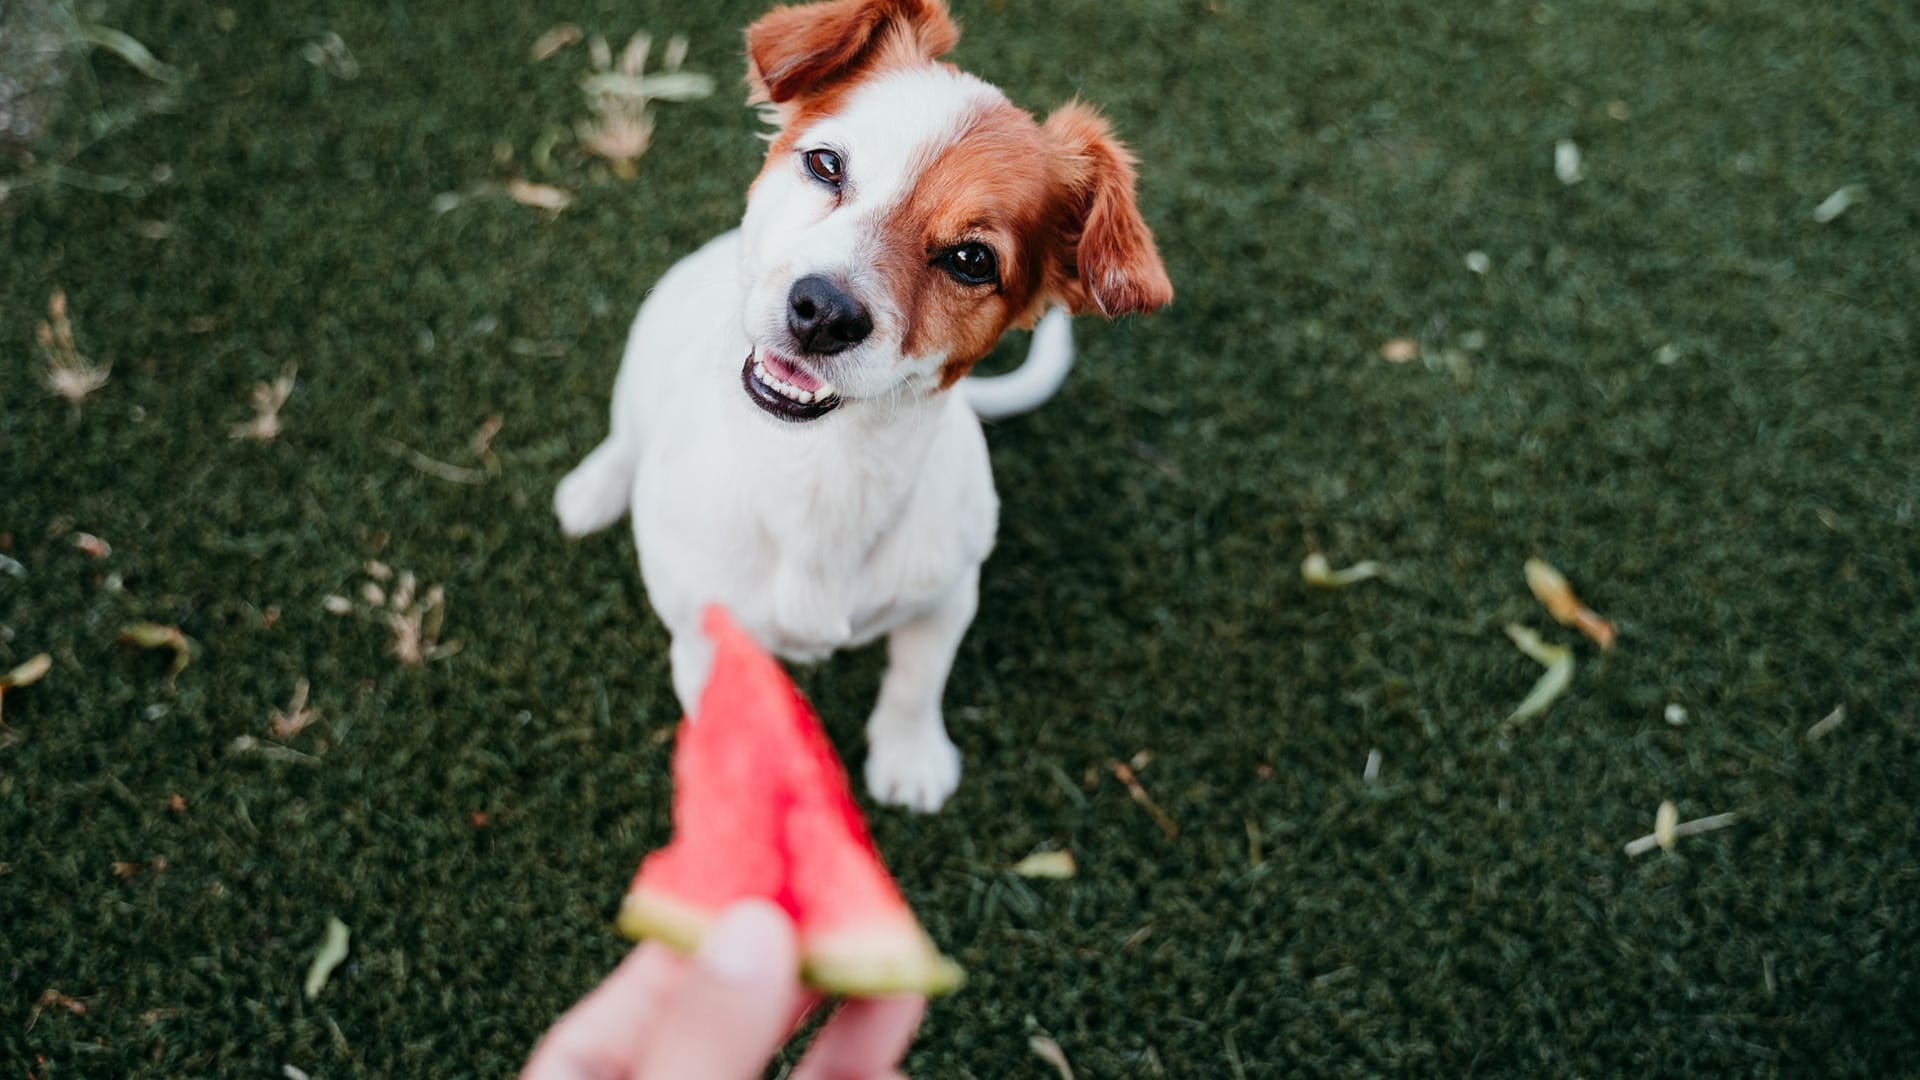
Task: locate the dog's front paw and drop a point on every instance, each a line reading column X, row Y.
column 917, row 770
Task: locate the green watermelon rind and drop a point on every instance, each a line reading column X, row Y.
column 859, row 970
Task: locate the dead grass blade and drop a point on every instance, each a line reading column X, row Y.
column 1558, row 660
column 1049, row 1051
column 561, row 36
column 148, row 635
column 1321, row 574
column 1644, row 844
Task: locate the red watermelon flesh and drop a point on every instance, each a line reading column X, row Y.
column 762, row 807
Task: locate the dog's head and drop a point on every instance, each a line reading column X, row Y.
column 907, row 213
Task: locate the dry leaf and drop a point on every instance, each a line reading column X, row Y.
column 1052, row 865
column 1049, row 1051
column 1399, row 351
column 155, row 636
column 1664, row 821
column 68, row 373
column 559, row 37
column 296, row 717
column 539, row 196
column 28, row 673
column 1567, row 163
column 92, row 545
column 1838, row 203
column 1551, row 589
column 1318, row 572
column 333, row 950
column 1827, row 724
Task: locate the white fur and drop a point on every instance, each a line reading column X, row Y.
column 872, row 520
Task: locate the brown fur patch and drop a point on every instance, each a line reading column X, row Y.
column 793, row 51
column 993, row 184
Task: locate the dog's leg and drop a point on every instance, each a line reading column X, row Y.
column 596, row 492
column 910, row 760
column 692, row 658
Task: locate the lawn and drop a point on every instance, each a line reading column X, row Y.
column 1669, row 367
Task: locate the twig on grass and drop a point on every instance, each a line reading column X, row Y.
column 1135, row 788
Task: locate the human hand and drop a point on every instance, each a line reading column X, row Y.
column 721, row 1014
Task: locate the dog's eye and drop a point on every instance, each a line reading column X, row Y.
column 971, row 264
column 826, row 167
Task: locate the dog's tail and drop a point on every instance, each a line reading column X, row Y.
column 1049, row 358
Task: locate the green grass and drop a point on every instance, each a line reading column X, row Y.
column 1316, row 175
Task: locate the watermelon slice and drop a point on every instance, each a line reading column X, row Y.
column 762, row 807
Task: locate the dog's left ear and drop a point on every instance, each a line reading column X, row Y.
column 1111, row 263
column 791, row 50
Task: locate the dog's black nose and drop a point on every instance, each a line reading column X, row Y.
column 823, row 318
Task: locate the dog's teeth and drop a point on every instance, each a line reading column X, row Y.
column 826, row 391
column 804, row 397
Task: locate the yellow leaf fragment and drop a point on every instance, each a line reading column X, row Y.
column 1052, row 865
column 1558, row 660
column 333, row 949
column 1551, row 589
column 1320, row 573
column 1665, row 820
column 1399, row 351
column 28, row 673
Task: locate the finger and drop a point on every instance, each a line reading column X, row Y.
column 865, row 1040
column 734, row 1006
column 602, row 1034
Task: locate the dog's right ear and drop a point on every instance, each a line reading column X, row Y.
column 792, row 50
column 1111, row 263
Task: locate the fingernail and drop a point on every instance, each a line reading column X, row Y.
column 751, row 942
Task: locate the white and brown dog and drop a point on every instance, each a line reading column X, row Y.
column 793, row 426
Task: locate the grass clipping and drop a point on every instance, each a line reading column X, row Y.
column 333, row 950
column 1557, row 659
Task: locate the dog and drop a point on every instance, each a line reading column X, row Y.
column 794, row 429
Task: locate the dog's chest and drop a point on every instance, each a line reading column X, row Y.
column 815, row 544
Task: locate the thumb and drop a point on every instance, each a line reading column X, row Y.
column 735, row 1005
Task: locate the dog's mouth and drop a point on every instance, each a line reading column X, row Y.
column 786, row 389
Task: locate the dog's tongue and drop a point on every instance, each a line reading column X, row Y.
column 791, row 374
